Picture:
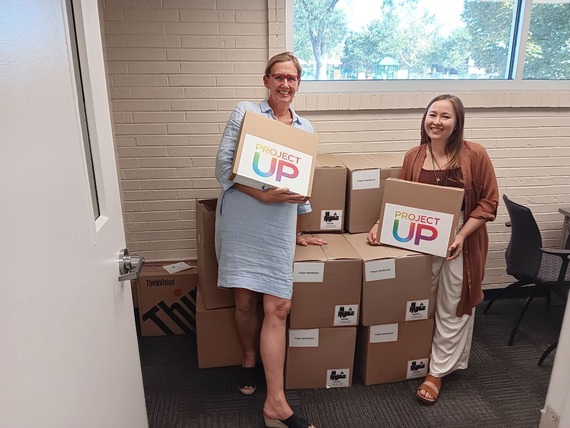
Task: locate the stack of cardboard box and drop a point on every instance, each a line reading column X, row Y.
column 324, row 314
column 217, row 336
column 394, row 339
column 351, row 301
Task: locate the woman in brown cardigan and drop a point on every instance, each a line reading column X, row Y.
column 444, row 158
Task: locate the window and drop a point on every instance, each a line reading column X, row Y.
column 403, row 40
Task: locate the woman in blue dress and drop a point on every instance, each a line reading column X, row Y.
column 255, row 245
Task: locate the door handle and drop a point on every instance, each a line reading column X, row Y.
column 130, row 266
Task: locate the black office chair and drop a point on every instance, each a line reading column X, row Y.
column 543, row 269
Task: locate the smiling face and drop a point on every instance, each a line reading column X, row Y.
column 440, row 121
column 282, row 92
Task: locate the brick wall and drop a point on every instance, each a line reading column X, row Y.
column 176, row 69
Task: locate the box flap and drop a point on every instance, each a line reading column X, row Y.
column 387, row 160
column 309, row 253
column 338, row 248
column 354, row 162
column 328, row 160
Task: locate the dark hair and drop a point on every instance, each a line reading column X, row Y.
column 283, row 57
column 455, row 143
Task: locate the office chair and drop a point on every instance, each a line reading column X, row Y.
column 544, row 269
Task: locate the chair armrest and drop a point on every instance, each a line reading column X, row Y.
column 560, row 252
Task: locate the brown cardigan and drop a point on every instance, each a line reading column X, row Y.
column 481, row 201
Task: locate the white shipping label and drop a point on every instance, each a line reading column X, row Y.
column 366, row 179
column 331, row 219
column 338, row 378
column 377, row 270
column 304, row 338
column 275, row 165
column 417, row 368
column 383, row 333
column 345, row 315
column 308, row 271
column 417, row 310
column 415, row 229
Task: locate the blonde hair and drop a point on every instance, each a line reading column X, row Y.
column 283, row 57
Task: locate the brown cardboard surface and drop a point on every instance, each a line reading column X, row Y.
column 218, row 340
column 212, row 296
column 393, row 361
column 365, row 186
column 428, row 206
column 327, row 198
column 396, row 283
column 327, row 284
column 295, row 149
column 167, row 301
column 328, row 363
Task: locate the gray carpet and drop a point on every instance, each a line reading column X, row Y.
column 503, row 387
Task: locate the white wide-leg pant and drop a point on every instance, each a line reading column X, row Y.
column 451, row 344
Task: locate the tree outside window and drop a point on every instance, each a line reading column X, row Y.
column 429, row 39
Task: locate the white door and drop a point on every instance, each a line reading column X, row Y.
column 68, row 346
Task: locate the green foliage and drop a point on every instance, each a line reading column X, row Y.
column 548, row 48
column 402, row 39
column 489, row 24
column 319, row 28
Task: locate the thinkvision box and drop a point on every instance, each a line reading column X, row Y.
column 167, row 301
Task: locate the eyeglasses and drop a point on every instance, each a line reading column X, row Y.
column 291, row 79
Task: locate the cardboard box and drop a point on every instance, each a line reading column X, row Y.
column 328, row 197
column 167, row 302
column 396, row 283
column 419, row 217
column 212, row 296
column 326, row 284
column 272, row 154
column 394, row 352
column 217, row 336
column 320, row 358
column 365, row 185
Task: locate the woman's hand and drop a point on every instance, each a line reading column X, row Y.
column 304, row 240
column 281, row 194
column 372, row 237
column 456, row 247
column 272, row 195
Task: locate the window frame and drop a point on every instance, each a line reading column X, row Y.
column 518, row 44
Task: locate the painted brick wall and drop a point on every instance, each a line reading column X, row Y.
column 176, row 69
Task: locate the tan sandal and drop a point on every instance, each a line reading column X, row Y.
column 431, row 385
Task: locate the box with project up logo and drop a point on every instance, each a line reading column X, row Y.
column 419, row 217
column 272, row 154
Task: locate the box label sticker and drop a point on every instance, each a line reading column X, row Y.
column 417, row 368
column 366, row 179
column 384, row 333
column 177, row 267
column 331, row 219
column 416, row 229
column 304, row 338
column 345, row 315
column 417, row 310
column 308, row 271
column 377, row 270
column 338, row 378
column 274, row 164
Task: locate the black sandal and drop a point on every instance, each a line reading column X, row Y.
column 247, row 380
column 292, row 421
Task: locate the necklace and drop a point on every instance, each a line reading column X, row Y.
column 433, row 163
